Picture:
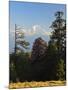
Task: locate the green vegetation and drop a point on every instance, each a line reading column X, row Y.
column 45, row 64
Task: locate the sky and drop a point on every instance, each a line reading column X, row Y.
column 34, row 19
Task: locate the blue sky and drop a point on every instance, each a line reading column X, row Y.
column 35, row 18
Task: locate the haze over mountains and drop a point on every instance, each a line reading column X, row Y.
column 30, row 34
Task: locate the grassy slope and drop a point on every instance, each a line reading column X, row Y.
column 36, row 84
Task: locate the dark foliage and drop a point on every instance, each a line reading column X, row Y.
column 39, row 49
column 45, row 62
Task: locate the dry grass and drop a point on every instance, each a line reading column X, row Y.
column 36, row 84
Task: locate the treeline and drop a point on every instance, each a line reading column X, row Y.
column 45, row 61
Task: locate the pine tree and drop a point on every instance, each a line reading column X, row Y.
column 59, row 34
column 57, row 48
column 20, row 42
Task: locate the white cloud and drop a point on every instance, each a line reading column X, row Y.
column 34, row 30
column 36, row 27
